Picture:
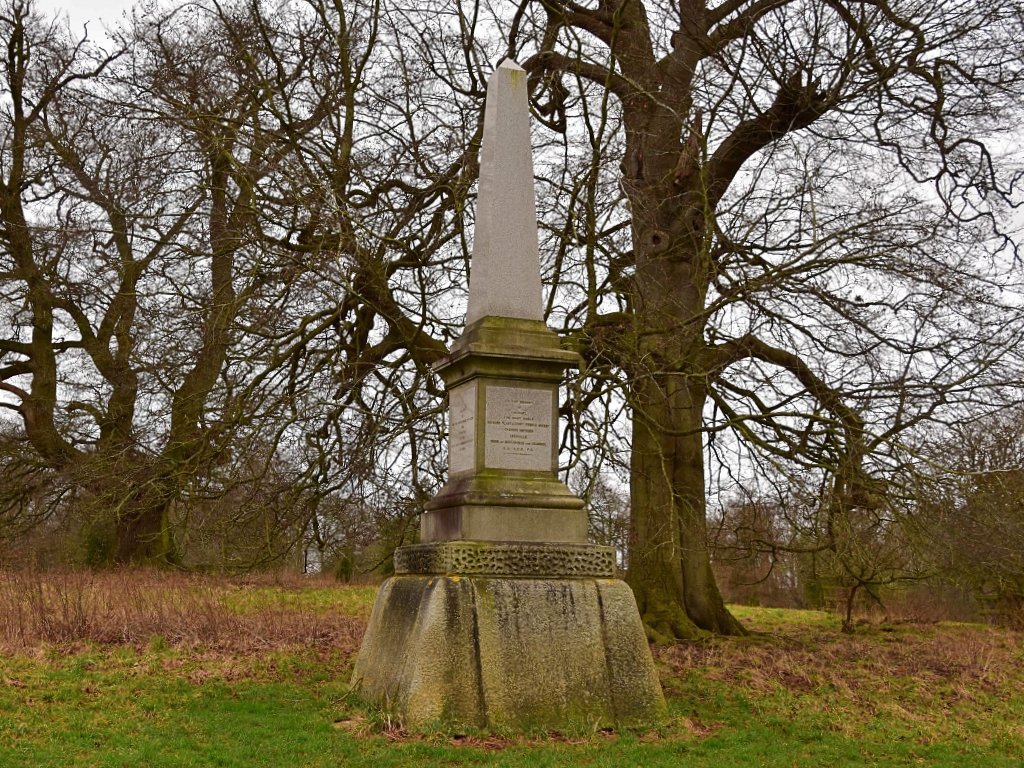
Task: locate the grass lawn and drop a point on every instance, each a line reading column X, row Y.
column 227, row 673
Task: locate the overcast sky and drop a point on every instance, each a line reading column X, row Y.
column 97, row 12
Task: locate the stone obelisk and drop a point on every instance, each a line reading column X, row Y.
column 504, row 616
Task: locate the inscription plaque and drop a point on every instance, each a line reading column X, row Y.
column 518, row 429
column 462, row 428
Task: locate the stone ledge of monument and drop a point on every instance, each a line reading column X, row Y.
column 509, row 337
column 523, row 559
column 498, row 479
column 502, row 370
column 479, row 498
column 521, row 489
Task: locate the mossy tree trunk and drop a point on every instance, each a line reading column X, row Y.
column 674, row 187
column 670, row 565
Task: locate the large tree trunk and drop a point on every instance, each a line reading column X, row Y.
column 144, row 533
column 670, row 565
column 143, row 526
column 655, row 564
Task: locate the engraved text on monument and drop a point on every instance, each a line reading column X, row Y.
column 462, row 432
column 518, row 430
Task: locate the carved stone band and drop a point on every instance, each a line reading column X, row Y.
column 527, row 559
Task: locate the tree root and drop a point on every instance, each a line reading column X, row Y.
column 666, row 623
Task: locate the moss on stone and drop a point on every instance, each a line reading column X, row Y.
column 508, row 654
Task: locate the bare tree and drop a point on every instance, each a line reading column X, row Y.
column 805, row 542
column 145, row 193
column 817, row 196
column 247, row 228
column 774, row 230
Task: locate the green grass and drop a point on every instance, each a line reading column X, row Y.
column 800, row 693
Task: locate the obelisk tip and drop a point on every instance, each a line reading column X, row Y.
column 505, row 281
column 509, row 63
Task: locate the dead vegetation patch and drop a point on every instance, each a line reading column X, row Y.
column 957, row 661
column 148, row 609
column 381, row 723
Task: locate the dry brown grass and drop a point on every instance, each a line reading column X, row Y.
column 141, row 607
column 948, row 661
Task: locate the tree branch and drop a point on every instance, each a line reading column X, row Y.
column 796, row 106
column 549, row 60
column 750, row 346
column 742, row 24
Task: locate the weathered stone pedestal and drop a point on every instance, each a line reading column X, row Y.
column 504, row 617
column 489, row 641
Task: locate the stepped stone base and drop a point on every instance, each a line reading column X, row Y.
column 497, row 523
column 499, row 652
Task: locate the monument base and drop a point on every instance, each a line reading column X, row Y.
column 499, row 652
column 501, row 505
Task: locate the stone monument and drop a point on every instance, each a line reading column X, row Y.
column 504, row 616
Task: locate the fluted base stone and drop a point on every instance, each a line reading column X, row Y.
column 484, row 652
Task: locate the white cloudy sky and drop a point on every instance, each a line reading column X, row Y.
column 93, row 11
